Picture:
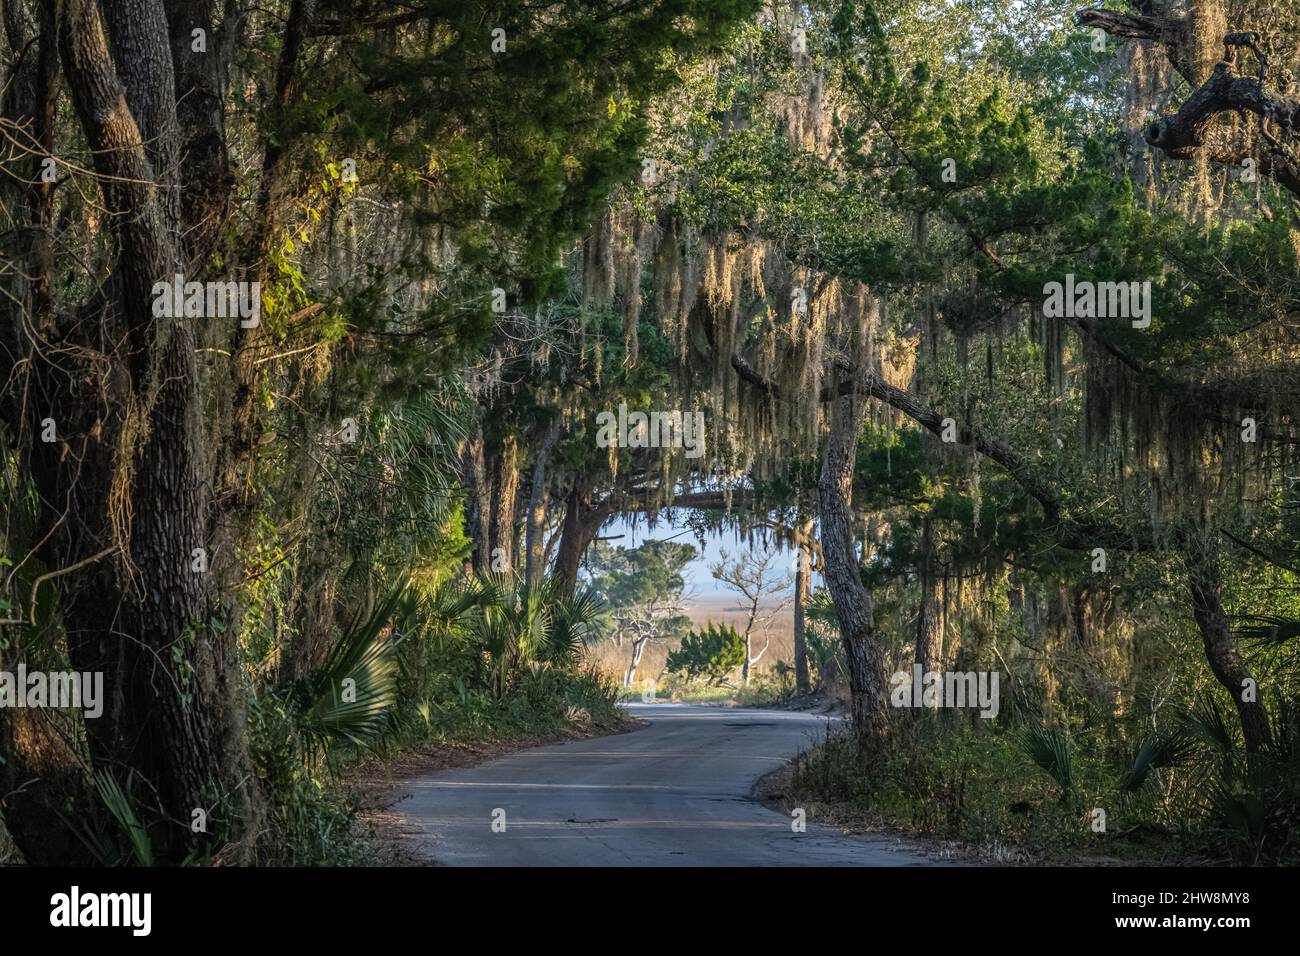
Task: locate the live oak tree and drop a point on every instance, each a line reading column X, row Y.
column 854, row 213
column 759, row 578
column 377, row 170
column 645, row 591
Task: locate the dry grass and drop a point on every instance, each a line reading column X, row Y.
column 612, row 659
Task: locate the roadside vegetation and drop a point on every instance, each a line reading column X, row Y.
column 982, row 314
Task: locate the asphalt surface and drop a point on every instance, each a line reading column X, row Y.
column 673, row 793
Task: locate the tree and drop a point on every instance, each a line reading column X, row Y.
column 1214, row 62
column 756, row 577
column 802, row 597
column 374, row 173
column 711, row 654
column 644, row 587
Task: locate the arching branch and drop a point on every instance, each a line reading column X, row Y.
column 1228, row 89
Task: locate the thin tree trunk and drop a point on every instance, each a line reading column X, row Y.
column 749, row 627
column 638, row 647
column 477, row 507
column 802, row 587
column 853, row 605
column 534, row 544
column 929, row 623
column 505, row 494
column 1229, row 667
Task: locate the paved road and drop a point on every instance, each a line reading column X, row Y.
column 674, row 793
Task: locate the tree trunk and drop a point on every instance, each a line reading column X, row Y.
column 929, row 622
column 477, row 508
column 200, row 89
column 638, row 647
column 749, row 627
column 505, row 495
column 853, row 605
column 130, row 466
column 802, row 587
column 535, row 566
column 581, row 524
column 40, row 775
column 1204, row 582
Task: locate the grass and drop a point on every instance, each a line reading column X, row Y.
column 685, row 694
column 946, row 776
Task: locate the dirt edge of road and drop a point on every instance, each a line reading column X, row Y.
column 772, row 790
column 377, row 786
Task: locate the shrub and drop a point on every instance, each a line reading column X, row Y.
column 710, row 654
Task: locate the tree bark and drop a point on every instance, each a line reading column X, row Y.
column 1217, row 89
column 638, row 647
column 122, row 387
column 582, row 521
column 929, row 619
column 535, row 546
column 474, row 479
column 505, row 499
column 200, row 87
column 749, row 628
column 1204, row 580
column 853, row 604
column 802, row 587
column 40, row 775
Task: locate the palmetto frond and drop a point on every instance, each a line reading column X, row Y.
column 1208, row 722
column 1168, row 748
column 351, row 694
column 1267, row 629
column 576, row 621
column 519, row 624
column 1050, row 750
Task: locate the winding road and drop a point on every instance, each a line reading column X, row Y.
column 673, row 793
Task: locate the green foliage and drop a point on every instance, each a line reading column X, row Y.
column 125, row 838
column 1050, row 750
column 710, row 654
column 767, row 687
column 629, row 576
column 483, row 659
column 825, row 648
column 518, row 625
column 350, row 696
column 1168, row 749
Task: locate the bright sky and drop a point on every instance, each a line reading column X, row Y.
column 699, row 582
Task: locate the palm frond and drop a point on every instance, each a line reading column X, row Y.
column 1267, row 629
column 123, row 811
column 1050, row 750
column 350, row 695
column 1168, row 748
column 576, row 622
column 1208, row 722
column 518, row 625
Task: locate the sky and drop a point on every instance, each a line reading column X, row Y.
column 700, row 584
